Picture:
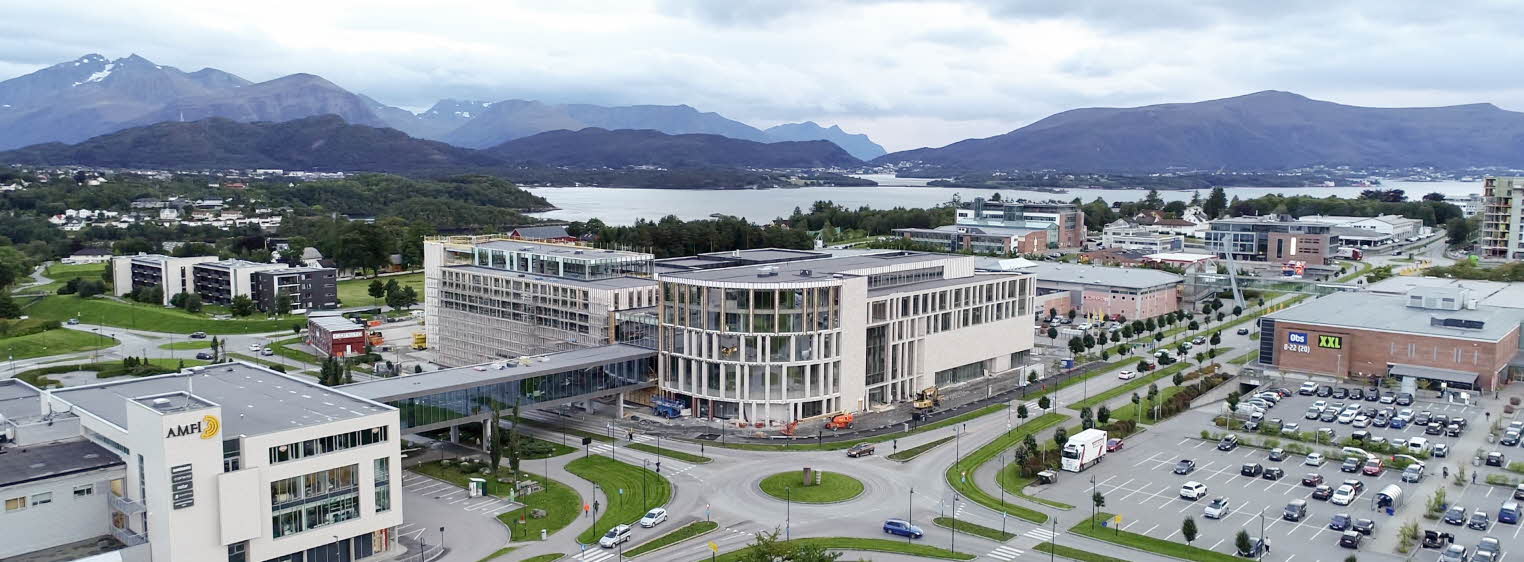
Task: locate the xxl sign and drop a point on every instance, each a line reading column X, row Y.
column 1331, row 342
column 207, row 428
column 1297, row 341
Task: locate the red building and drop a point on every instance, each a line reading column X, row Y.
column 335, row 336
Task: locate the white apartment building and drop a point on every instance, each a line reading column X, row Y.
column 173, row 274
column 227, row 462
column 1128, row 237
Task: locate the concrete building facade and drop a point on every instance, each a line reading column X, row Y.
column 172, row 274
column 1069, row 218
column 309, row 288
column 1132, row 293
column 1275, row 239
column 219, row 281
column 1502, row 235
column 997, row 240
column 335, row 336
column 1143, row 240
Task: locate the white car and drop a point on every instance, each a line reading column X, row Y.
column 1314, row 459
column 1217, row 509
column 1126, row 375
column 1193, row 490
column 615, row 536
column 1320, row 405
column 255, row 347
column 1362, row 421
column 1346, row 417
column 1343, row 496
column 1307, row 388
column 653, row 517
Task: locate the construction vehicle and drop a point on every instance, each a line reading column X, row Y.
column 928, row 399
column 375, row 339
column 420, row 341
column 839, row 421
column 790, row 428
column 666, row 407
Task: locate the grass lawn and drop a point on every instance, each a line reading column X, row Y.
column 544, row 558
column 283, row 349
column 669, row 453
column 1137, row 383
column 804, row 445
column 613, row 477
column 356, row 292
column 1075, row 553
column 683, row 533
column 561, row 503
column 148, row 317
column 61, row 274
column 1245, row 358
column 833, row 487
column 972, row 529
column 189, row 344
column 968, row 464
column 499, row 553
column 53, row 342
column 868, row 545
column 106, row 369
column 1145, row 542
column 1014, row 483
column 916, row 451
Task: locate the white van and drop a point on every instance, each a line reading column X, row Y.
column 1418, row 445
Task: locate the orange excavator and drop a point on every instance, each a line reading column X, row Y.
column 789, row 429
column 840, row 421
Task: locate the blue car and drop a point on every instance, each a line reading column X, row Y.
column 1398, row 423
column 1509, row 513
column 902, row 528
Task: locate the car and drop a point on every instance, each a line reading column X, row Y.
column 1434, row 429
column 1193, row 490
column 1341, row 393
column 1439, row 420
column 1417, row 445
column 1324, row 391
column 1217, row 509
column 1313, row 413
column 1314, row 459
column 1290, row 428
column 1328, row 416
column 205, row 355
column 1457, row 420
column 1381, row 420
column 1351, row 464
column 1228, row 443
column 902, row 528
column 1340, row 522
column 1510, row 439
column 1405, row 414
column 1346, row 417
column 1422, row 418
column 1343, row 495
column 1295, row 511
column 1453, row 553
column 1273, row 397
column 267, row 351
column 1479, row 520
column 198, row 335
column 1518, row 492
column 1372, row 396
column 1456, row 515
column 1273, row 473
column 1495, row 458
column 1320, row 405
column 1360, row 435
column 1436, row 539
column 1356, row 484
column 1364, row 526
column 1126, row 375
column 1312, row 479
column 615, row 536
column 1516, row 425
column 1253, row 423
column 1257, row 547
column 1453, row 430
column 1405, row 399
column 1388, row 398
column 653, row 518
column 1440, row 450
column 1413, row 473
column 1350, row 539
column 255, row 347
column 1490, row 545
column 1242, row 331
column 1377, row 440
column 1509, row 513
column 1362, row 420
column 1322, row 492
column 1277, row 454
column 73, row 322
column 1372, row 467
column 1251, row 469
column 1307, row 389
column 1199, row 341
column 1185, row 466
column 1357, row 394
column 1113, row 445
column 860, row 450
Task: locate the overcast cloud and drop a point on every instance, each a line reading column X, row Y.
column 908, row 74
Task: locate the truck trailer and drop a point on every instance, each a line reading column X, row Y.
column 1083, row 450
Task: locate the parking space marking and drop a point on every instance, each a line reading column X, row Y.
column 1147, row 460
column 1219, row 543
column 1182, row 441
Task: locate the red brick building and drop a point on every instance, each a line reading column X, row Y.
column 335, row 336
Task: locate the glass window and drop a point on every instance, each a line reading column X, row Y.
column 85, row 490
column 42, row 498
column 15, row 504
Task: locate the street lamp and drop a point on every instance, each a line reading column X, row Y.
column 1261, row 554
column 910, row 511
column 1002, row 494
column 1053, row 551
column 954, row 546
column 788, row 513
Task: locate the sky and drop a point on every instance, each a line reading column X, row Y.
column 907, row 73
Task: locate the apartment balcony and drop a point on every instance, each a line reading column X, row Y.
column 128, row 537
column 125, row 505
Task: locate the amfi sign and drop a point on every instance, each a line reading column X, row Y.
column 207, row 428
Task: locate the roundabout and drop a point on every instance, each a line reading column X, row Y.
column 833, row 487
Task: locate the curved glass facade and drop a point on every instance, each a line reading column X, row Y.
column 764, row 353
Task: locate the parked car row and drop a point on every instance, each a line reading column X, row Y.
column 1366, row 394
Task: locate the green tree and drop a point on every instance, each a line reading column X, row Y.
column 1043, row 402
column 1215, row 203
column 1242, row 541
column 1216, row 338
column 1022, row 413
column 1073, row 313
column 1053, row 334
column 1103, row 414
column 1060, row 436
column 494, row 443
column 242, row 305
column 1458, row 231
column 1188, row 529
column 515, row 441
column 1097, row 501
column 1032, row 377
column 8, row 308
column 283, row 303
column 376, row 290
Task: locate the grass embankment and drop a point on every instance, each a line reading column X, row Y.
column 864, row 545
column 916, row 451
column 103, row 370
column 669, row 453
column 500, row 553
column 966, row 466
column 560, row 502
column 1136, row 383
column 57, row 341
column 613, row 477
column 1010, row 479
column 1093, row 529
column 833, row 487
column 683, row 533
column 1075, row 553
column 60, row 274
column 356, row 292
column 804, row 445
column 544, row 558
column 190, row 344
column 131, row 315
column 283, row 348
column 972, row 529
column 1244, row 359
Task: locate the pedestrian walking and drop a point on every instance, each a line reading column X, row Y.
column 1473, row 477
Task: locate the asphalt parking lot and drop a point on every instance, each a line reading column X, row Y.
column 1293, row 410
column 1475, row 497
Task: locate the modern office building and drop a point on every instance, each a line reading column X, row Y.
column 219, row 281
column 309, row 288
column 489, row 298
column 1371, row 231
column 1140, row 239
column 1502, row 235
column 335, row 336
column 1068, row 217
column 825, row 333
column 1437, row 333
column 1134, row 293
column 996, row 240
column 1271, row 238
column 225, row 462
column 1471, row 204
column 172, row 274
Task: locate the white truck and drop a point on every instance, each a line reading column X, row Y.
column 1083, row 450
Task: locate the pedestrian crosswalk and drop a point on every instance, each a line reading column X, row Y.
column 455, row 496
column 1005, row 553
column 595, row 554
column 1040, row 533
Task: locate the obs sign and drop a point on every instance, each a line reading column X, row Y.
column 1297, row 341
column 207, row 428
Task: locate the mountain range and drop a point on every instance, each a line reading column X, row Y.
column 1268, row 130
column 89, row 96
column 330, row 142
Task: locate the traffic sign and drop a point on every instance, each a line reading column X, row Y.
column 714, row 547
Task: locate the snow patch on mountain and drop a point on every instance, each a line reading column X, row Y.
column 99, row 75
